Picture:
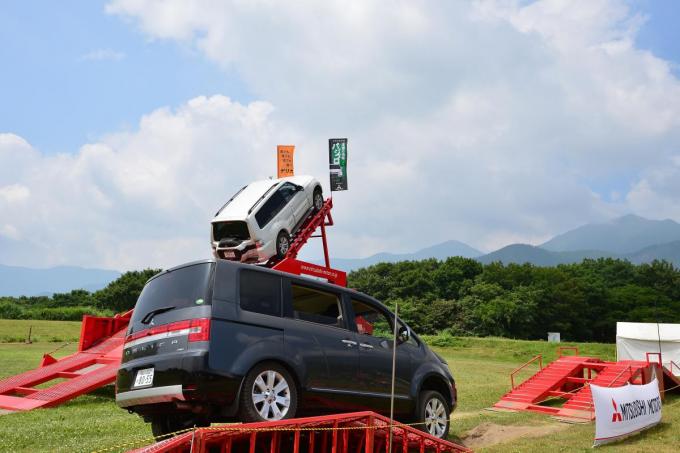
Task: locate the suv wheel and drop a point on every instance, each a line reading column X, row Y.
column 282, row 244
column 268, row 393
column 317, row 199
column 163, row 426
column 433, row 412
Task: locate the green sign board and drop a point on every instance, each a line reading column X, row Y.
column 337, row 158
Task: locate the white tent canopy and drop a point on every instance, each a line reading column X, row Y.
column 635, row 339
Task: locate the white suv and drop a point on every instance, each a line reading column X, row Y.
column 257, row 223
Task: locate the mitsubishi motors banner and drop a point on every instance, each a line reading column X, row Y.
column 337, row 158
column 621, row 411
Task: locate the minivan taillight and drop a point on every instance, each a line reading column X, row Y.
column 197, row 329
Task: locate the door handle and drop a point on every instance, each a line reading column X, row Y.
column 366, row 346
column 349, row 343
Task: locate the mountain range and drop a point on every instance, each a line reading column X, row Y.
column 24, row 281
column 630, row 237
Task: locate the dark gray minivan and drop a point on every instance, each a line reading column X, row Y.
column 217, row 341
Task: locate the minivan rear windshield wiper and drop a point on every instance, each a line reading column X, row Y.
column 149, row 316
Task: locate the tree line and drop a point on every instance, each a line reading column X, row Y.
column 456, row 296
column 583, row 301
column 118, row 296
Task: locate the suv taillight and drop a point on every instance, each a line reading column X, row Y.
column 198, row 330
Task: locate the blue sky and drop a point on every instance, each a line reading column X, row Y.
column 59, row 99
column 126, row 123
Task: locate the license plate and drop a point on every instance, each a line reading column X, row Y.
column 229, row 255
column 144, row 377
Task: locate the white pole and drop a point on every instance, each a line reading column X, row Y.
column 394, row 370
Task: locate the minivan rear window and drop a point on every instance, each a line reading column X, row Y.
column 184, row 287
column 260, row 292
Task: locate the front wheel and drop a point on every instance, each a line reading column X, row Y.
column 433, row 413
column 268, row 393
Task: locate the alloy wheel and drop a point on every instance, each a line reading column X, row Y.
column 271, row 395
column 435, row 417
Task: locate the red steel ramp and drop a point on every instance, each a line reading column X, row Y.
column 93, row 366
column 358, row 432
column 548, row 382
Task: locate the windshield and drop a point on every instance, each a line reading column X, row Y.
column 184, row 287
column 231, row 230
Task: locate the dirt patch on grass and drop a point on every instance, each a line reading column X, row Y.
column 488, row 434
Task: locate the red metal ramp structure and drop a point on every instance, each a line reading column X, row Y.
column 358, row 432
column 292, row 265
column 93, row 366
column 568, row 380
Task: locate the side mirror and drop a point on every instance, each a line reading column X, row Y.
column 403, row 335
column 299, row 188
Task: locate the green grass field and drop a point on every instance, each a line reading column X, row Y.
column 481, row 366
column 16, row 330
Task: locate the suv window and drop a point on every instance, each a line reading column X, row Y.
column 287, row 191
column 317, row 306
column 260, row 292
column 269, row 209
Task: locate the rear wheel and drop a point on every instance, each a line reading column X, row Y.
column 282, row 244
column 317, row 199
column 166, row 426
column 268, row 393
column 433, row 413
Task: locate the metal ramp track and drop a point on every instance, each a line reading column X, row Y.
column 358, row 432
column 81, row 372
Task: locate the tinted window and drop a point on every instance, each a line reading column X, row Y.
column 269, row 209
column 371, row 321
column 185, row 287
column 316, row 306
column 231, row 230
column 261, row 293
column 288, row 191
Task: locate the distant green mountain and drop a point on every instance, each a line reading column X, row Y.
column 524, row 253
column 439, row 251
column 627, row 234
column 669, row 252
column 23, row 281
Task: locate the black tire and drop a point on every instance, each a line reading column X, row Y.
column 430, row 424
column 282, row 244
column 163, row 426
column 251, row 410
column 317, row 199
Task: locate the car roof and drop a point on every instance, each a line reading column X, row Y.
column 244, row 200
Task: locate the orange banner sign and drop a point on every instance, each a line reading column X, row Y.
column 284, row 160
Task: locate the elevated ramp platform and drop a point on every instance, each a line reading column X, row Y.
column 93, row 366
column 567, row 381
column 357, row 432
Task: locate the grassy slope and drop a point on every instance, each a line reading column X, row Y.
column 16, row 330
column 481, row 367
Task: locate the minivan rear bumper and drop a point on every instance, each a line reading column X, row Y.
column 151, row 395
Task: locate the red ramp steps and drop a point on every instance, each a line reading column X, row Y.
column 93, row 366
column 569, row 378
column 358, row 432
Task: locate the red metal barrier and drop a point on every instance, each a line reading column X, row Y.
column 356, row 432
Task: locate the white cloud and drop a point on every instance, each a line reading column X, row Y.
column 103, row 55
column 484, row 121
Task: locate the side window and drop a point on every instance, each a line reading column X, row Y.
column 371, row 321
column 287, row 191
column 260, row 292
column 312, row 305
column 269, row 209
